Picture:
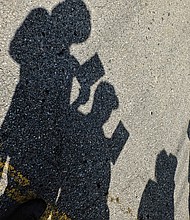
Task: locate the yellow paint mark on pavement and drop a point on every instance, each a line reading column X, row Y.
column 55, row 214
column 20, row 197
column 17, row 176
column 16, row 195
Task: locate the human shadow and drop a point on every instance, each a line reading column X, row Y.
column 188, row 134
column 49, row 141
column 157, row 201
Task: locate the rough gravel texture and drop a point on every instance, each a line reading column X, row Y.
column 94, row 99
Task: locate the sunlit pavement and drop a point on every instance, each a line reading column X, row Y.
column 142, row 47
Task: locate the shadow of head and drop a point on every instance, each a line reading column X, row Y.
column 71, row 20
column 44, row 33
column 105, row 101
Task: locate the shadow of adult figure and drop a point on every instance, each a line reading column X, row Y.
column 157, row 200
column 31, row 131
column 46, row 137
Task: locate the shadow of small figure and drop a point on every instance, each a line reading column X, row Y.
column 89, row 154
column 157, row 200
column 188, row 134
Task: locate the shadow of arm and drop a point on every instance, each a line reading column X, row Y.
column 118, row 140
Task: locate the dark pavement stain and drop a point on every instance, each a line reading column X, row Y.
column 49, row 141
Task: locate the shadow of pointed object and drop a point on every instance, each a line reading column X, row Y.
column 157, row 201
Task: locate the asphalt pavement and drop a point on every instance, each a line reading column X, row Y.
column 94, row 108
